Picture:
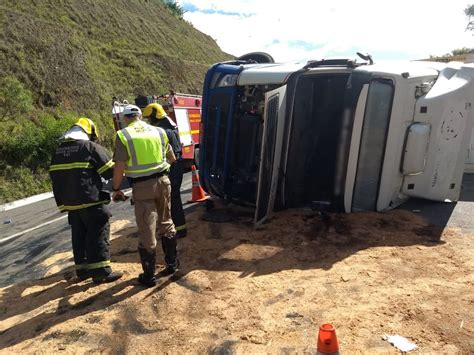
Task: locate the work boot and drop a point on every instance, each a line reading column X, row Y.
column 72, row 276
column 83, row 274
column 169, row 245
column 111, row 277
column 170, row 270
column 148, row 260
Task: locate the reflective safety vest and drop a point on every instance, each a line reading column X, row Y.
column 146, row 148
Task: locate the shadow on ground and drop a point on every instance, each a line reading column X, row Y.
column 453, row 214
column 226, row 241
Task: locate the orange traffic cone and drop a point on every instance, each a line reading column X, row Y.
column 327, row 340
column 198, row 193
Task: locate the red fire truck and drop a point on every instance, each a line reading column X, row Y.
column 184, row 109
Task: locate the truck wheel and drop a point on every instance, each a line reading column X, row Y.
column 259, row 57
column 196, row 157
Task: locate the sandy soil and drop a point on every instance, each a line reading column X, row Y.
column 242, row 290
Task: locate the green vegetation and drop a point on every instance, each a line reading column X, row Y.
column 455, row 55
column 25, row 151
column 63, row 58
column 461, row 51
column 175, row 8
column 14, row 98
column 469, row 10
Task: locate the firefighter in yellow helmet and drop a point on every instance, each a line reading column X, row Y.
column 76, row 169
column 155, row 112
column 159, row 118
column 143, row 153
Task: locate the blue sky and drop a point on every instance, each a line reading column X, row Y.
column 305, row 29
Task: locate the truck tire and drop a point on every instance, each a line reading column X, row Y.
column 259, row 57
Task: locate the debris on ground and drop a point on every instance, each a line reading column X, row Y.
column 243, row 290
column 401, row 343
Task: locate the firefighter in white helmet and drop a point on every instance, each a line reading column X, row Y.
column 158, row 117
column 143, row 153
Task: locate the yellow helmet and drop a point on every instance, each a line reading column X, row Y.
column 154, row 110
column 88, row 126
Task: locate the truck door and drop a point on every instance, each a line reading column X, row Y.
column 442, row 128
column 270, row 158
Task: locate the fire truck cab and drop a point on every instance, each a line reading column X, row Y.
column 183, row 109
column 335, row 133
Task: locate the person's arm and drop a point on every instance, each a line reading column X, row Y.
column 120, row 158
column 56, row 190
column 170, row 157
column 119, row 170
column 101, row 160
column 174, row 141
column 54, row 183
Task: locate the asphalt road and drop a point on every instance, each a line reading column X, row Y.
column 38, row 231
column 451, row 214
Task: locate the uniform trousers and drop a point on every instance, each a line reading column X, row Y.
column 177, row 212
column 90, row 240
column 152, row 198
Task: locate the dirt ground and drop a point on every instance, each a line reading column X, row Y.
column 242, row 290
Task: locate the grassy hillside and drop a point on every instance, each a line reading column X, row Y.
column 64, row 58
column 77, row 54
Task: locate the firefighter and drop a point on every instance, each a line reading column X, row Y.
column 143, row 153
column 76, row 169
column 157, row 116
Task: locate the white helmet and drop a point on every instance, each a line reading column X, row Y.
column 131, row 110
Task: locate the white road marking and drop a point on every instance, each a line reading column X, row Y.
column 26, row 201
column 32, row 199
column 3, row 240
column 31, row 229
column 44, row 196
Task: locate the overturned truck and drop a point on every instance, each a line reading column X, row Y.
column 337, row 134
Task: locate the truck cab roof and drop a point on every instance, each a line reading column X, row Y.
column 278, row 73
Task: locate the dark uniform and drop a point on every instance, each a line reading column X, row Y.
column 76, row 170
column 176, row 174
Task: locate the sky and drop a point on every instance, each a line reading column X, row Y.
column 296, row 30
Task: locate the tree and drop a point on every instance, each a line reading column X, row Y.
column 460, row 51
column 469, row 11
column 15, row 99
column 175, row 8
